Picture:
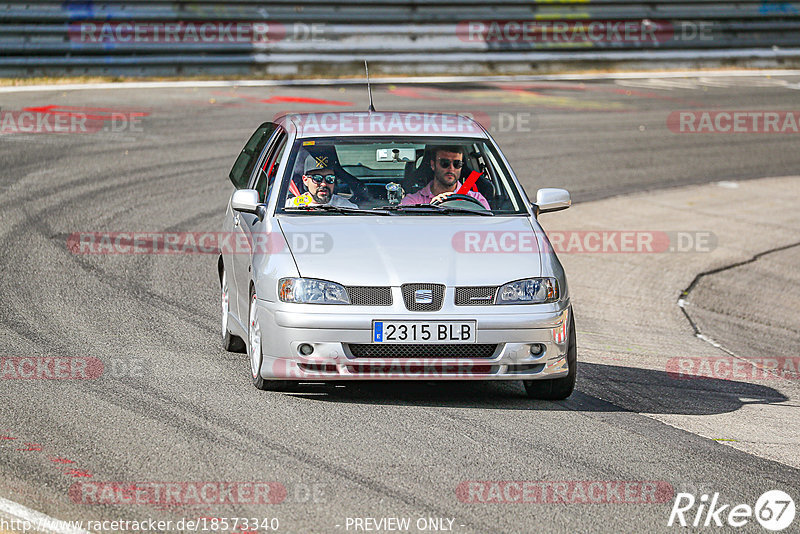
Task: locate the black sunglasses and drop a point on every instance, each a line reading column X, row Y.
column 318, row 178
column 445, row 163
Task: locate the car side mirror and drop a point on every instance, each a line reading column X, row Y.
column 246, row 200
column 552, row 199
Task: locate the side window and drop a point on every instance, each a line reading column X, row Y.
column 269, row 170
column 243, row 167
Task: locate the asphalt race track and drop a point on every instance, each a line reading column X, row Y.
column 176, row 408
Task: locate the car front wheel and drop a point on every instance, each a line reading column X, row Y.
column 255, row 354
column 230, row 342
column 254, row 344
column 557, row 388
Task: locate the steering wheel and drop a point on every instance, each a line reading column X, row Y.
column 359, row 190
column 458, row 197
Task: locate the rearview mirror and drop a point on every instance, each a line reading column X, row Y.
column 552, row 199
column 402, row 155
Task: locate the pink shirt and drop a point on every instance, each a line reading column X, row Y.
column 424, row 196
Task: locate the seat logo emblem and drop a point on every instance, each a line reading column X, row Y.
column 423, row 296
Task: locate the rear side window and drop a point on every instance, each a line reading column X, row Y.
column 269, row 169
column 243, row 167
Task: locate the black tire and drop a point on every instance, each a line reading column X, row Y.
column 255, row 374
column 557, row 388
column 230, row 342
column 258, row 380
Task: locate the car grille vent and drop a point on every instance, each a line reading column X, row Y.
column 370, row 295
column 444, row 350
column 423, row 297
column 475, row 296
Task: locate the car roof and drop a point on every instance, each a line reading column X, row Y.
column 385, row 123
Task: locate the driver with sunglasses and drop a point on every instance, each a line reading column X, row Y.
column 320, row 180
column 446, row 164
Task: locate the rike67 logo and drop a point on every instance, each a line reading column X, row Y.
column 774, row 510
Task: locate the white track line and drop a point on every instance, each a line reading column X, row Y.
column 398, row 80
column 37, row 520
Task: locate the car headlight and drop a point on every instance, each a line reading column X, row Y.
column 529, row 291
column 310, row 291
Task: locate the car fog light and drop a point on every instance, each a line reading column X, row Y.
column 305, row 349
column 537, row 349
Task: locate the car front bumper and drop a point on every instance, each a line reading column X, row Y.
column 331, row 330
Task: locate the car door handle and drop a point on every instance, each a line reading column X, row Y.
column 236, row 221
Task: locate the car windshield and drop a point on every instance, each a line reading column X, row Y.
column 347, row 175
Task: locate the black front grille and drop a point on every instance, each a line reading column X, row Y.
column 412, row 294
column 448, row 350
column 475, row 296
column 370, row 296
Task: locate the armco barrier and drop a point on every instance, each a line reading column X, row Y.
column 159, row 37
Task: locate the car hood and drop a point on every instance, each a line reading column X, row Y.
column 394, row 250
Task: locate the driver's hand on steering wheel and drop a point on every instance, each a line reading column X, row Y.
column 441, row 196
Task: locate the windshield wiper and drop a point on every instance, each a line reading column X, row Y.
column 428, row 208
column 334, row 209
column 485, row 213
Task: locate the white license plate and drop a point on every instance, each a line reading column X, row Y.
column 424, row 331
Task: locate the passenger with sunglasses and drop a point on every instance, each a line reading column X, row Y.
column 446, row 163
column 320, row 180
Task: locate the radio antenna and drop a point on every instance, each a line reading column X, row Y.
column 369, row 89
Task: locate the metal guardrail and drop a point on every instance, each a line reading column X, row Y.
column 313, row 36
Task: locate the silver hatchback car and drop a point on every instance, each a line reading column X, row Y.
column 391, row 246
